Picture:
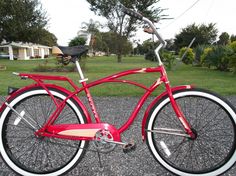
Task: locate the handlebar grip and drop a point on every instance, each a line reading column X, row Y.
column 132, row 13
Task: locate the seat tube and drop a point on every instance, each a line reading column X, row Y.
column 88, row 94
column 91, row 102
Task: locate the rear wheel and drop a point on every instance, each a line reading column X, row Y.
column 29, row 155
column 213, row 121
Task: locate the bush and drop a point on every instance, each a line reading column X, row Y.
column 217, row 56
column 168, row 58
column 205, row 54
column 151, row 55
column 189, row 55
column 233, row 46
column 199, row 50
column 58, row 67
column 232, row 59
column 232, row 63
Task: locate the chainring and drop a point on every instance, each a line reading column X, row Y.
column 101, row 141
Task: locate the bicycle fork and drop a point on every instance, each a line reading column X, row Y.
column 188, row 129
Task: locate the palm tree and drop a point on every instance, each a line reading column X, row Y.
column 92, row 27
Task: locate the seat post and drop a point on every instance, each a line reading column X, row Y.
column 88, row 94
column 80, row 72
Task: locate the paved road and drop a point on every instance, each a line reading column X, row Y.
column 116, row 163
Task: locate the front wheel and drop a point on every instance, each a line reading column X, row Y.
column 213, row 120
column 22, row 150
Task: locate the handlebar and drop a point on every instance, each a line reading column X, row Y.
column 132, row 13
column 150, row 23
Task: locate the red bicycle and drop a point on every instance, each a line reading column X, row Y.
column 45, row 129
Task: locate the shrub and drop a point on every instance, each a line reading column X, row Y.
column 232, row 63
column 187, row 55
column 232, row 59
column 58, row 67
column 150, row 55
column 168, row 58
column 233, row 46
column 205, row 55
column 199, row 50
column 218, row 56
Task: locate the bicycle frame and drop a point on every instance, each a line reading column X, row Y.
column 89, row 130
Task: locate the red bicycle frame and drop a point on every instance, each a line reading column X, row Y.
column 89, row 130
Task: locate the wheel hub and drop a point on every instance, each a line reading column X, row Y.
column 195, row 134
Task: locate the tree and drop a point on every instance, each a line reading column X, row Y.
column 77, row 41
column 104, row 41
column 48, row 38
column 120, row 23
column 204, row 34
column 91, row 27
column 22, row 20
column 138, row 50
column 223, row 38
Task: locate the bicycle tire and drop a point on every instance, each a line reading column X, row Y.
column 213, row 119
column 28, row 155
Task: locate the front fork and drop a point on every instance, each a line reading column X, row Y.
column 179, row 113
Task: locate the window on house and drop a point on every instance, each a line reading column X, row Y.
column 36, row 53
column 28, row 53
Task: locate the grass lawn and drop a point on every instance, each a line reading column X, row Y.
column 221, row 82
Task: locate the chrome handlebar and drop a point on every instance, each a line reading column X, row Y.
column 151, row 25
column 149, row 22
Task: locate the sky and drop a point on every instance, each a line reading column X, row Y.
column 66, row 16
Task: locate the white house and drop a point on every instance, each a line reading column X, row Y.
column 24, row 51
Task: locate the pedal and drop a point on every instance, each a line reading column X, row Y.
column 129, row 147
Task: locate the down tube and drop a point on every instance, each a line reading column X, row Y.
column 137, row 108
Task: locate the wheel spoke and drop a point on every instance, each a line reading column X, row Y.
column 40, row 155
column 215, row 132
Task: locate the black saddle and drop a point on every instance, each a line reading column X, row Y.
column 74, row 51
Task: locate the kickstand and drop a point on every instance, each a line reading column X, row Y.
column 99, row 158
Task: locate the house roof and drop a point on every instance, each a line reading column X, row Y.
column 22, row 45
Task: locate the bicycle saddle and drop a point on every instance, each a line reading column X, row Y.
column 69, row 51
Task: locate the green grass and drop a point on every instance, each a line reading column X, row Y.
column 221, row 82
